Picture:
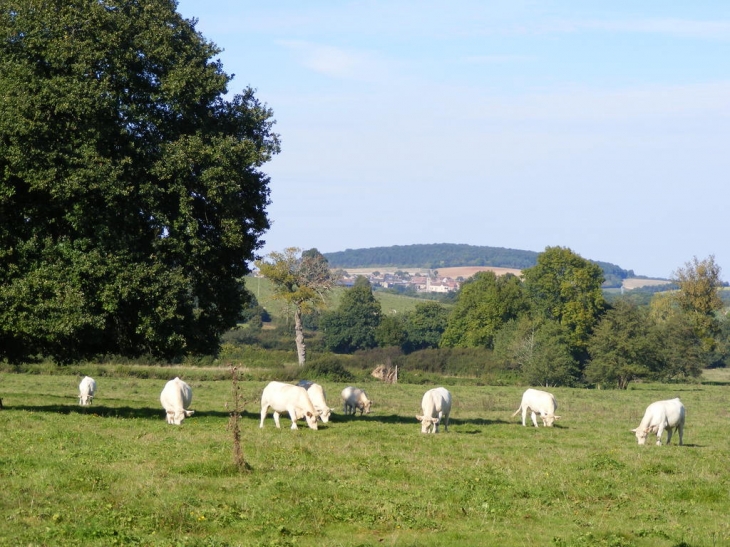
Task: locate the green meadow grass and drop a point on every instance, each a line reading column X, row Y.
column 391, row 303
column 117, row 474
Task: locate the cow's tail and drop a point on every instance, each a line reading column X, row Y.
column 517, row 411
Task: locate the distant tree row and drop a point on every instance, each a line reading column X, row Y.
column 445, row 255
column 553, row 326
column 433, row 256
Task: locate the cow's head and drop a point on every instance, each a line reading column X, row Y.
column 428, row 424
column 548, row 420
column 640, row 435
column 311, row 420
column 176, row 417
column 325, row 415
column 366, row 406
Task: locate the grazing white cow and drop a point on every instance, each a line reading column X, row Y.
column 176, row 397
column 659, row 416
column 317, row 396
column 87, row 390
column 282, row 398
column 436, row 406
column 355, row 399
column 541, row 402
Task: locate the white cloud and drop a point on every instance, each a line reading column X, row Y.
column 336, row 62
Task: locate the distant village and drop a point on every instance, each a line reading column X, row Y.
column 429, row 282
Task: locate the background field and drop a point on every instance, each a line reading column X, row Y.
column 117, row 474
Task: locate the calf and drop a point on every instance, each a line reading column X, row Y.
column 540, row 402
column 317, row 396
column 176, row 397
column 436, row 406
column 659, row 416
column 282, row 398
column 87, row 390
column 355, row 399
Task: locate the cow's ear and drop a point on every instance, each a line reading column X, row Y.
column 556, row 417
column 310, row 414
column 634, row 430
column 419, row 418
column 189, row 413
column 435, row 420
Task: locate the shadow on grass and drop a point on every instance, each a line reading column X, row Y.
column 100, row 410
column 147, row 413
column 408, row 419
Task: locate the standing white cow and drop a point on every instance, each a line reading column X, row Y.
column 540, row 402
column 436, row 406
column 659, row 416
column 317, row 396
column 282, row 398
column 176, row 397
column 355, row 399
column 87, row 390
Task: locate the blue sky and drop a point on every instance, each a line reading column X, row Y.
column 599, row 126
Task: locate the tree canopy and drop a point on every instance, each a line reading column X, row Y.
column 131, row 195
column 484, row 304
column 354, row 324
column 565, row 287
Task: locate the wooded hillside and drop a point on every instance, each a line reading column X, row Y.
column 444, row 255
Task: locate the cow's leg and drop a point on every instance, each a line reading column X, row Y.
column 670, row 430
column 534, row 418
column 264, row 409
column 524, row 417
column 681, row 432
column 659, row 433
column 276, row 419
column 293, row 416
column 446, row 423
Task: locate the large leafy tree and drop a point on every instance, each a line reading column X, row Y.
column 698, row 297
column 539, row 350
column 354, row 324
column 302, row 281
column 424, row 326
column 625, row 346
column 565, row 287
column 551, row 361
column 484, row 305
column 131, row 195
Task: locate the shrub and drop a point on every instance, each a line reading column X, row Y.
column 327, row 367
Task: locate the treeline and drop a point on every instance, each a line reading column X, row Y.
column 432, row 256
column 445, row 255
column 551, row 326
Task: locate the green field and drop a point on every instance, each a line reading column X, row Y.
column 117, row 474
column 261, row 288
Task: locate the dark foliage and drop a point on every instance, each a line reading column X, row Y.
column 130, row 192
column 326, row 367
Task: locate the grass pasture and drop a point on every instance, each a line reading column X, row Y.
column 117, row 474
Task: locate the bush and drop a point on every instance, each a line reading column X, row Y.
column 327, row 367
column 452, row 361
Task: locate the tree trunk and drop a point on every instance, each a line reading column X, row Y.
column 299, row 336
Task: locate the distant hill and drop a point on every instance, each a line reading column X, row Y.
column 444, row 255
